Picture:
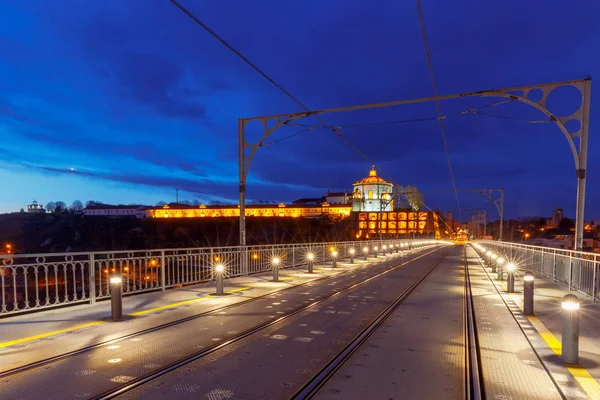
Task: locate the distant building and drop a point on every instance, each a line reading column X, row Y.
column 338, row 198
column 36, row 208
column 174, row 210
column 118, row 211
column 557, row 216
column 309, row 201
column 372, row 194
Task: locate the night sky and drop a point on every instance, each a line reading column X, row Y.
column 124, row 101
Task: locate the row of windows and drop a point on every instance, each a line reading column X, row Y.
column 371, row 195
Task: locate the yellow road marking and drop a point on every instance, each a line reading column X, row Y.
column 182, row 303
column 286, row 278
column 239, row 289
column 47, row 334
column 587, row 381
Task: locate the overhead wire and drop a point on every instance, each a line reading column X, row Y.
column 437, row 103
column 336, row 130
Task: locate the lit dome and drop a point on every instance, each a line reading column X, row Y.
column 372, row 178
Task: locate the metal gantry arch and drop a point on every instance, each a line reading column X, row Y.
column 519, row 93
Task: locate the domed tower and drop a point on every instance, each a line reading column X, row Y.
column 372, row 193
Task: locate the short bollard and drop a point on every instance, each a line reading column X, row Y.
column 528, row 293
column 365, row 252
column 397, row 248
column 334, row 255
column 510, row 279
column 570, row 329
column 383, row 249
column 500, row 272
column 310, row 259
column 498, row 264
column 116, row 298
column 275, row 263
column 375, row 251
column 351, row 251
column 219, row 271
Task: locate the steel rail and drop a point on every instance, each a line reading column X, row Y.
column 474, row 385
column 110, row 394
column 317, row 382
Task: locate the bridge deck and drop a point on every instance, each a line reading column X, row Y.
column 290, row 335
column 419, row 352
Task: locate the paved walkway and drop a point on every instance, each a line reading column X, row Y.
column 548, row 323
column 26, row 338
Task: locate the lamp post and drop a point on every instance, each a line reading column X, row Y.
column 275, row 263
column 116, row 297
column 334, row 255
column 310, row 259
column 219, row 271
column 528, row 293
column 352, row 251
column 570, row 329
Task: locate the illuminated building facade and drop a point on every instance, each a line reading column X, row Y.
column 397, row 223
column 372, row 193
column 370, row 204
column 266, row 210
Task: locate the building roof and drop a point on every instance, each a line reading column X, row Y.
column 337, row 194
column 372, row 178
column 98, row 206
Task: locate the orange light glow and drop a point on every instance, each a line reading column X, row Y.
column 217, row 259
column 125, row 269
column 153, row 262
column 255, row 256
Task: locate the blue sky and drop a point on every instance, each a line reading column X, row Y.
column 122, row 102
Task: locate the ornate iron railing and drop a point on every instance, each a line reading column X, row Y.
column 579, row 270
column 39, row 281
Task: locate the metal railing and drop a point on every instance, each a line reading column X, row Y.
column 579, row 270
column 40, row 281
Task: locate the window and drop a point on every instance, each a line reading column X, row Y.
column 370, row 194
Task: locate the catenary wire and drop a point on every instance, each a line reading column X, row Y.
column 437, row 103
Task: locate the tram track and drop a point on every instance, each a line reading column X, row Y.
column 472, row 376
column 158, row 372
column 123, row 389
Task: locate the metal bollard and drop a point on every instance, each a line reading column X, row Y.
column 570, row 329
column 116, row 297
column 375, row 251
column 510, row 279
column 500, row 272
column 275, row 263
column 351, row 251
column 383, row 249
column 219, row 270
column 334, row 258
column 528, row 293
column 365, row 252
column 310, row 259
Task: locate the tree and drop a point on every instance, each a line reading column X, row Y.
column 160, row 203
column 76, row 205
column 413, row 196
column 22, row 210
column 51, row 206
column 195, row 202
column 90, row 203
column 186, row 202
column 59, row 207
